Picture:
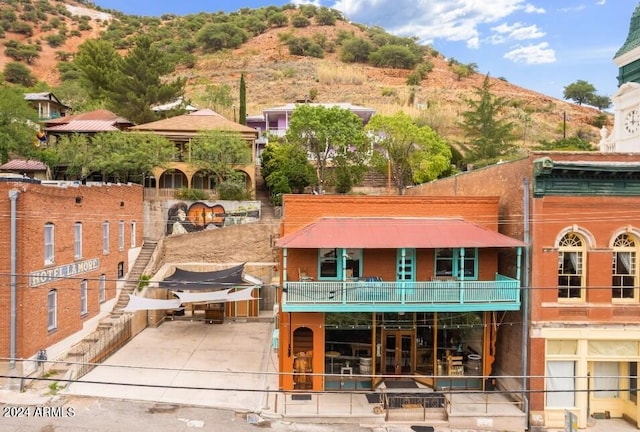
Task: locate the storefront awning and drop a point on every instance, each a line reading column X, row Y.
column 395, row 233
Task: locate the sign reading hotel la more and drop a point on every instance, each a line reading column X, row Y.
column 41, row 277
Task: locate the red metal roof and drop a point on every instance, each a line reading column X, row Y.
column 85, row 126
column 395, row 232
column 24, row 165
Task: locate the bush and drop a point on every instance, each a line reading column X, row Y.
column 191, row 194
column 278, row 19
column 325, row 17
column 55, row 40
column 304, row 46
column 233, row 190
column 355, row 50
column 17, row 73
column 393, row 56
column 300, row 21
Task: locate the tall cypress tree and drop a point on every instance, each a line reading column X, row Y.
column 243, row 101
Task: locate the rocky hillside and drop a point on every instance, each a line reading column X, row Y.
column 275, row 77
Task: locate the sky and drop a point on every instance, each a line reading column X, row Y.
column 541, row 45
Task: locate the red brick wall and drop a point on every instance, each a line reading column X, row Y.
column 36, row 205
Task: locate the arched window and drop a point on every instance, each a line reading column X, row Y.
column 624, row 269
column 571, row 260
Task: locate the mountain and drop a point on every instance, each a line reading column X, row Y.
column 275, row 77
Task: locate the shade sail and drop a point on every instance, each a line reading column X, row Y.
column 222, row 296
column 144, row 303
column 193, row 280
column 395, row 232
column 216, row 296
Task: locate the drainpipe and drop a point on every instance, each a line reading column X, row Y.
column 526, row 296
column 13, row 197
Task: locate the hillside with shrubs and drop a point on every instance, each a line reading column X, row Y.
column 287, row 54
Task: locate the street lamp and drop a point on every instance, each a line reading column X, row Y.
column 234, row 112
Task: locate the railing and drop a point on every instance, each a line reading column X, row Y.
column 167, row 193
column 451, row 292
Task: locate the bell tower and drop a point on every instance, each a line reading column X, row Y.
column 625, row 136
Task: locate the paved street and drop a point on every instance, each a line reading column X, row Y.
column 109, row 415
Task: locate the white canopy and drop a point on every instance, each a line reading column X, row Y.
column 144, row 303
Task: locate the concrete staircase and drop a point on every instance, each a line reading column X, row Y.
column 134, row 276
column 268, row 213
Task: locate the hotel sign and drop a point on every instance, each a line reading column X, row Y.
column 42, row 277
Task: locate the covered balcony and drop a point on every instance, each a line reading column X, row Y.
column 420, row 265
column 503, row 293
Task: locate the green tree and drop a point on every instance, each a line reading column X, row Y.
column 300, row 21
column 17, row 73
column 328, row 133
column 99, row 64
column 139, row 83
column 394, row 56
column 286, row 169
column 219, row 154
column 243, row 101
column 325, row 16
column 580, row 91
column 600, row 102
column 217, row 36
column 407, row 152
column 355, row 50
column 18, row 125
column 218, row 97
column 278, row 19
column 123, row 156
column 489, row 135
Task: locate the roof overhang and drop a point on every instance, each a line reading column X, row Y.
column 394, row 233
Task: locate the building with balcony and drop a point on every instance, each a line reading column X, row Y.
column 181, row 173
column 274, row 122
column 377, row 288
column 48, row 105
column 579, row 326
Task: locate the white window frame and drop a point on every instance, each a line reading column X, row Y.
column 624, row 269
column 105, row 238
column 52, row 310
column 102, row 288
column 77, row 240
column 572, row 264
column 84, row 304
column 133, row 234
column 121, row 236
column 49, row 243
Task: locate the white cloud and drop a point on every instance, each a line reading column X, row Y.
column 515, row 31
column 601, row 2
column 532, row 54
column 529, row 8
column 451, row 20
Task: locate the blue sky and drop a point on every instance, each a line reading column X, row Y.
column 542, row 45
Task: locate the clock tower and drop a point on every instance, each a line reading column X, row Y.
column 625, row 136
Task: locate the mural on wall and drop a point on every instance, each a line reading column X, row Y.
column 183, row 217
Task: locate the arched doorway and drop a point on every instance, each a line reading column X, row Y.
column 302, row 358
column 173, row 179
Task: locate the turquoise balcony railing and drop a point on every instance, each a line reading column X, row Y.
column 503, row 293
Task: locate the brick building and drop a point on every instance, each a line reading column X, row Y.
column 581, row 306
column 389, row 285
column 64, row 247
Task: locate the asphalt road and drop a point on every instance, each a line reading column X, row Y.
column 78, row 414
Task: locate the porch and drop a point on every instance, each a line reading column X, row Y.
column 502, row 293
